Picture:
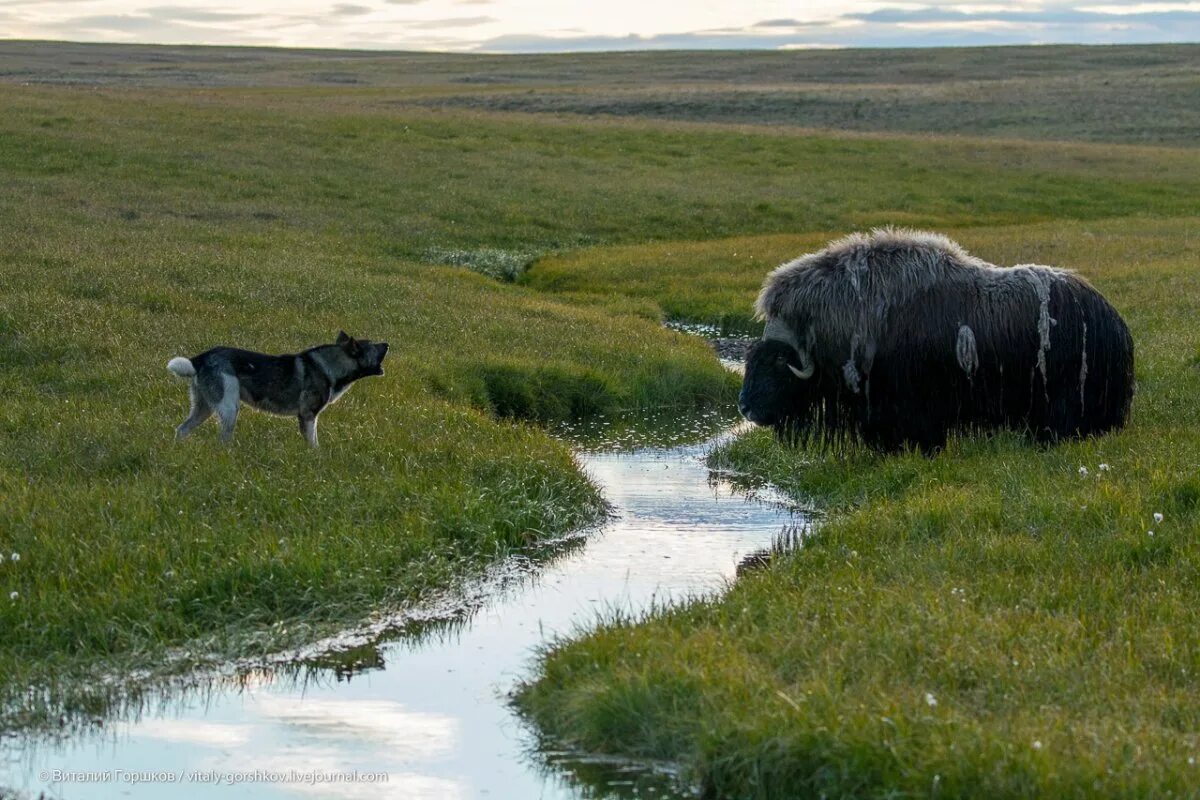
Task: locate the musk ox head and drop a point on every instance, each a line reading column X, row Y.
column 778, row 387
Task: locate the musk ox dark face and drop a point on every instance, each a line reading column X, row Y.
column 775, row 391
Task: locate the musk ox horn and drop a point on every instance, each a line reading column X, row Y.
column 808, row 367
column 780, row 331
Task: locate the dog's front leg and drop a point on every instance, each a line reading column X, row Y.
column 308, row 427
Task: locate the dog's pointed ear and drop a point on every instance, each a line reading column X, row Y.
column 349, row 344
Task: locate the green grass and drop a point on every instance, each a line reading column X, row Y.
column 134, row 229
column 414, row 184
column 288, row 194
column 1136, row 94
column 1053, row 633
column 715, row 282
column 131, row 543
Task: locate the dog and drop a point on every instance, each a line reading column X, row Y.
column 300, row 384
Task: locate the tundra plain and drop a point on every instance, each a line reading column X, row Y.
column 990, row 622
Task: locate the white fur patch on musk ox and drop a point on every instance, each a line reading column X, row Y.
column 898, row 337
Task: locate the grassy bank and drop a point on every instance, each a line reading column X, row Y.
column 998, row 621
column 133, row 230
column 715, row 282
column 130, row 544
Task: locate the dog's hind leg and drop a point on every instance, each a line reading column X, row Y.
column 227, row 406
column 201, row 411
column 308, row 427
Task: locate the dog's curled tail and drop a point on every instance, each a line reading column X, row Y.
column 182, row 367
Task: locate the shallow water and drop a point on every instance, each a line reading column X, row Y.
column 429, row 707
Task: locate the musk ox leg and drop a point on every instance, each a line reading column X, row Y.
column 923, row 435
column 930, row 441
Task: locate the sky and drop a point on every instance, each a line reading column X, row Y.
column 579, row 25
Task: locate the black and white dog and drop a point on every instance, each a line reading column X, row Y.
column 299, row 385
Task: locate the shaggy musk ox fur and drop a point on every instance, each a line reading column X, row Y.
column 898, row 337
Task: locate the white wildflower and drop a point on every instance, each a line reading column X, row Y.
column 15, row 556
column 1158, row 517
column 931, row 700
column 1104, row 467
column 1083, row 471
column 13, row 596
column 1037, row 744
column 1149, row 533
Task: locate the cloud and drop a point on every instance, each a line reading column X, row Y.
column 1139, row 8
column 778, row 23
column 532, row 43
column 184, row 14
column 333, row 23
column 168, row 24
column 350, row 10
column 450, row 22
column 789, row 23
column 906, row 25
column 1051, row 24
column 120, row 23
column 931, row 14
column 894, row 27
column 1156, row 13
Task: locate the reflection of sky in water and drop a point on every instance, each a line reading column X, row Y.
column 435, row 718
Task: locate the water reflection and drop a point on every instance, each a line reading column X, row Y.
column 609, row 778
column 423, row 698
column 648, row 429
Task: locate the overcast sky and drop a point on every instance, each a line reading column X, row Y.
column 551, row 25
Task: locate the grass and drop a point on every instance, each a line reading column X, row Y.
column 189, row 196
column 1135, row 94
column 991, row 622
column 131, row 544
column 133, row 229
column 715, row 282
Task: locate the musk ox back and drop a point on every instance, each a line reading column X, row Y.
column 899, row 337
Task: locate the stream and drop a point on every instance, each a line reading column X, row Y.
column 428, row 706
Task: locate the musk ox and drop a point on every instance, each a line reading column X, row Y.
column 897, row 338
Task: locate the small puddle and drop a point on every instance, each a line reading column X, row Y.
column 427, row 706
